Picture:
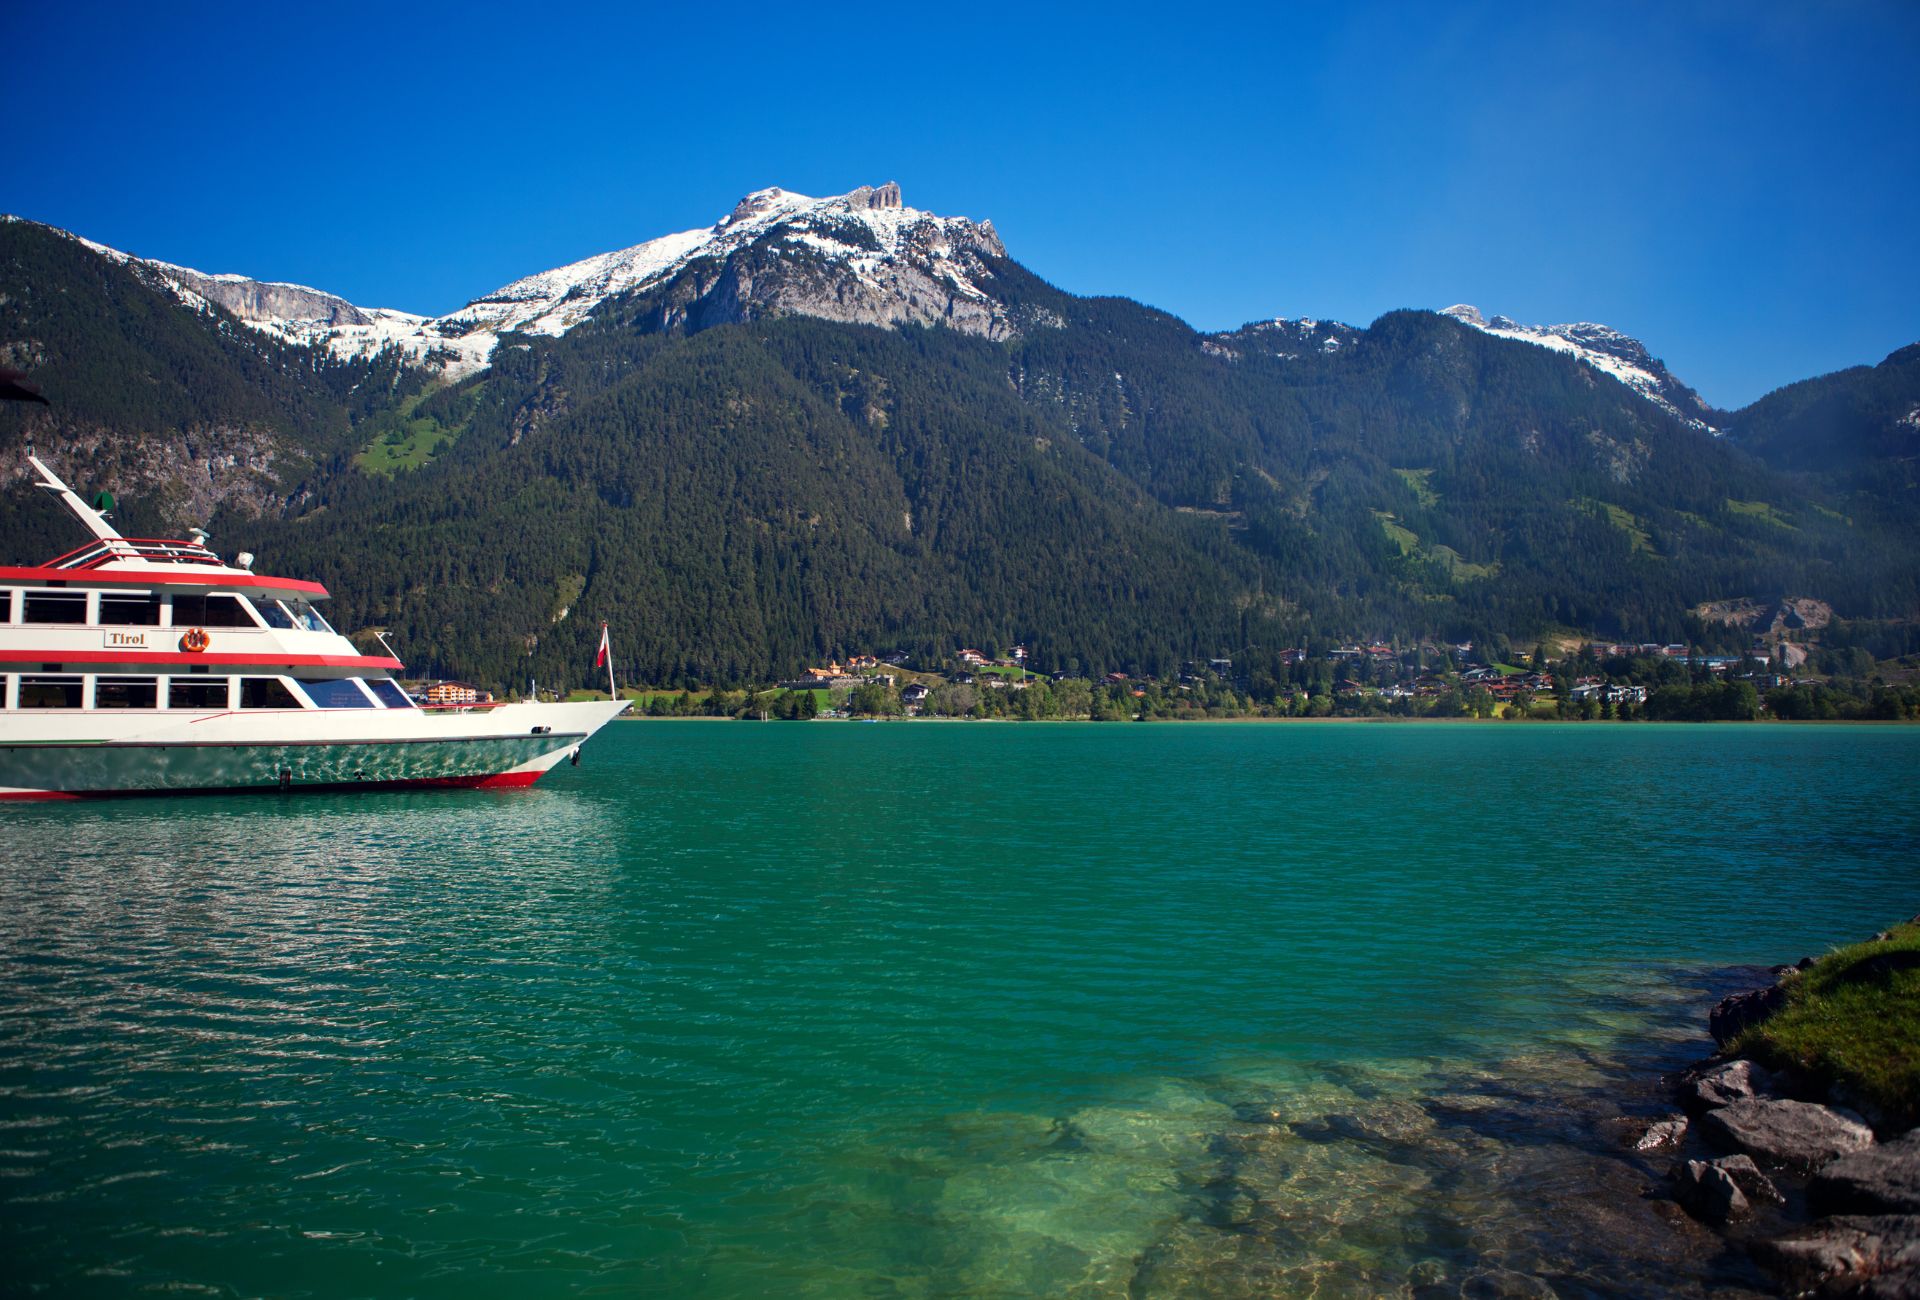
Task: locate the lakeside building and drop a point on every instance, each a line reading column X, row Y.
column 444, row 693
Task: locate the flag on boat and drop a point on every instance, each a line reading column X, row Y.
column 600, row 658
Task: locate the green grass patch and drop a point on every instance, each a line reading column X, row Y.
column 1627, row 522
column 1419, row 482
column 1407, row 540
column 1761, row 511
column 1458, row 566
column 403, row 439
column 1834, row 515
column 1001, row 670
column 1853, row 1019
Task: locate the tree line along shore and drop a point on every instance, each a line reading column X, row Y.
column 1582, row 683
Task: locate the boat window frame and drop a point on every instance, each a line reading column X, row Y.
column 305, row 622
column 372, row 685
column 254, row 622
column 12, row 597
column 155, row 598
column 96, row 680
column 36, row 678
column 295, row 702
column 190, row 679
column 352, row 685
column 88, row 606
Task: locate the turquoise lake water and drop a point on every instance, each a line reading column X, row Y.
column 916, row 1010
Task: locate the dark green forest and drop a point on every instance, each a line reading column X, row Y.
column 739, row 500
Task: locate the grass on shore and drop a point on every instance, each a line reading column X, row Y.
column 1853, row 1018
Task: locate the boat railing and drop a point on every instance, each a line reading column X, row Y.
column 106, row 550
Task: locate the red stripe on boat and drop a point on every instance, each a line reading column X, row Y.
column 266, row 658
column 40, row 575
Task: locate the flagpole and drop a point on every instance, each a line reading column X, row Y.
column 607, row 645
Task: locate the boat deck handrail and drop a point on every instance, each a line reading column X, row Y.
column 107, row 550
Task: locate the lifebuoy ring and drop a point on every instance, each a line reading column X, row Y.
column 194, row 641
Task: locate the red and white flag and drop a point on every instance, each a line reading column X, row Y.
column 600, row 658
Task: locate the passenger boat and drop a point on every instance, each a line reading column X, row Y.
column 134, row 666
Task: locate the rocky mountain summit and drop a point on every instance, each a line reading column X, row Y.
column 1610, row 352
column 861, row 258
column 1282, row 338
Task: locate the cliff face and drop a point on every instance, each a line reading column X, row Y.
column 167, row 482
column 258, row 301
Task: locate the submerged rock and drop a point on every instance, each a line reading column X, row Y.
column 1748, row 1178
column 1880, row 1180
column 1710, row 1086
column 1708, row 1192
column 1504, row 1284
column 1662, row 1133
column 1861, row 1255
column 1796, row 1134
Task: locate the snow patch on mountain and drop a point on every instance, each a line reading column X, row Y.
column 904, row 265
column 304, row 315
column 1607, row 350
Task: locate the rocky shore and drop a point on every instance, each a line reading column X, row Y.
column 1815, row 1177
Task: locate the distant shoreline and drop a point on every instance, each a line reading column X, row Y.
column 1345, row 721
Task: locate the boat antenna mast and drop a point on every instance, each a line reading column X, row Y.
column 95, row 522
column 381, row 637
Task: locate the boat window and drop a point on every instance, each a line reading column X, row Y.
column 211, row 611
column 389, row 694
column 196, row 692
column 6, row 605
column 129, row 610
column 125, row 693
column 50, row 692
column 273, row 613
column 307, row 617
column 266, row 693
column 56, row 607
column 336, row 693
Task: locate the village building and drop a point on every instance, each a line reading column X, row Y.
column 450, row 693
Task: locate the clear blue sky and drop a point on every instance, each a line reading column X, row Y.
column 1737, row 184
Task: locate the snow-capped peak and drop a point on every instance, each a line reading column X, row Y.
column 862, row 256
column 905, row 264
column 1607, row 350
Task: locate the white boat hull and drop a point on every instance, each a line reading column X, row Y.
column 97, row 753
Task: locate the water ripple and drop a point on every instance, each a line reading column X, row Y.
column 910, row 1011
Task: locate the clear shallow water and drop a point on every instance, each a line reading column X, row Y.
column 915, row 1010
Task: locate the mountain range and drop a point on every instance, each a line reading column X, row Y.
column 829, row 425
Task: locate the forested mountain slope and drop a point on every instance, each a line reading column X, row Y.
column 1857, row 428
column 163, row 397
column 741, row 491
column 743, row 498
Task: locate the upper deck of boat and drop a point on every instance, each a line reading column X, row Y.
column 120, row 562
